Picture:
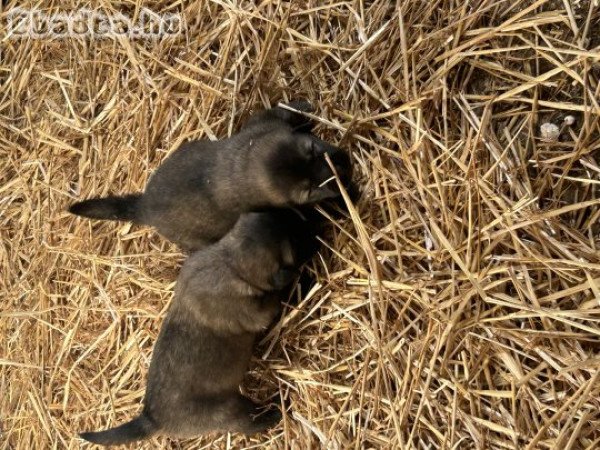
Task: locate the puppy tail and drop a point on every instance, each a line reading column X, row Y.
column 108, row 208
column 139, row 428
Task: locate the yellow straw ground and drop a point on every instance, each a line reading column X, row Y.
column 456, row 304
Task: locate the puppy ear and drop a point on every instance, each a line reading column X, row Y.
column 283, row 277
column 295, row 119
column 302, row 105
column 298, row 121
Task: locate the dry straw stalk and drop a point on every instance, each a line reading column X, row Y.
column 457, row 305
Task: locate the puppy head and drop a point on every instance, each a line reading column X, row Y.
column 294, row 168
column 267, row 248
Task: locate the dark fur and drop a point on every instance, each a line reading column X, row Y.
column 199, row 192
column 225, row 295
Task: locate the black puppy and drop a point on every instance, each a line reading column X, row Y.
column 199, row 192
column 225, row 295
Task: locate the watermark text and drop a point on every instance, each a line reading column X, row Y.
column 88, row 23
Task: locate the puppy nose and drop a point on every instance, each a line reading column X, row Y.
column 342, row 164
column 340, row 160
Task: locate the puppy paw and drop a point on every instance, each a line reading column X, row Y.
column 268, row 419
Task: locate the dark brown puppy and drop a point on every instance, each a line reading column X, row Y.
column 199, row 192
column 225, row 295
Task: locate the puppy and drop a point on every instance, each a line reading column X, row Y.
column 199, row 192
column 225, row 295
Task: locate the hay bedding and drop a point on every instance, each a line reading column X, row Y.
column 456, row 305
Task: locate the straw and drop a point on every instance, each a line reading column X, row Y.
column 456, row 304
